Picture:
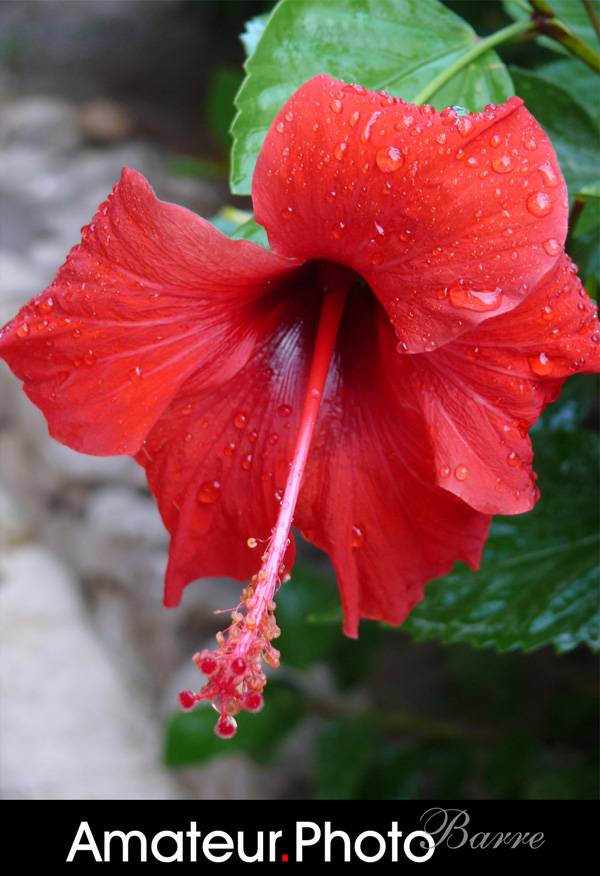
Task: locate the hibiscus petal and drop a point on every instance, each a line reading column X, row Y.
column 152, row 294
column 480, row 394
column 369, row 497
column 451, row 220
column 218, row 459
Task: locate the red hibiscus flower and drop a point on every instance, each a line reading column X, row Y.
column 373, row 378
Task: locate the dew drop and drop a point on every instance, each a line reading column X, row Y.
column 358, row 537
column 239, row 421
column 552, row 247
column 548, row 314
column 229, row 449
column 512, row 458
column 463, row 297
column 208, row 492
column 330, row 197
column 549, row 175
column 247, row 462
column 286, row 213
column 289, row 116
column 461, row 473
column 389, row 159
column 465, row 125
column 89, row 358
column 377, row 259
column 46, row 305
column 273, row 438
column 539, row 204
column 280, row 127
column 365, row 135
column 284, row 410
column 495, row 140
column 354, row 119
column 135, row 374
column 338, row 231
column 23, row 330
column 530, row 144
column 503, row 164
column 337, row 106
column 445, row 471
column 541, row 365
column 340, row 150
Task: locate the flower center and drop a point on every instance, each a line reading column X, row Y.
column 235, row 674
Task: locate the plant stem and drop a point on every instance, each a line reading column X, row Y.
column 482, row 46
column 548, row 24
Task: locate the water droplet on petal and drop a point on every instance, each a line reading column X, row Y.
column 337, row 106
column 366, row 131
column 540, row 204
column 512, row 458
column 495, row 140
column 330, row 197
column 229, row 449
column 354, row 119
column 503, row 164
column 377, row 259
column 280, row 127
column 23, row 330
column 208, row 492
column 338, row 231
column 461, row 473
column 340, row 150
column 464, row 297
column 552, row 247
column 46, row 305
column 239, row 421
column 445, row 471
column 273, row 438
column 135, row 374
column 284, row 410
column 389, row 159
column 549, row 175
column 530, row 144
column 89, row 358
column 541, row 365
column 358, row 537
column 465, row 125
column 247, row 462
column 286, row 213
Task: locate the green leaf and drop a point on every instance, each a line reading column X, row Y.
column 253, row 32
column 573, row 132
column 344, row 751
column 581, row 79
column 251, row 230
column 190, row 737
column 396, row 45
column 223, row 86
column 538, row 583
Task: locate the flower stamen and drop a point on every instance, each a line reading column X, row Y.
column 235, row 675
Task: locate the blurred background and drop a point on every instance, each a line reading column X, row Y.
column 91, row 663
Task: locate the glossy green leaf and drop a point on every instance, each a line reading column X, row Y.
column 396, row 45
column 580, row 79
column 251, row 230
column 572, row 130
column 191, row 737
column 538, row 583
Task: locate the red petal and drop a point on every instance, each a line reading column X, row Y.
column 450, row 220
column 481, row 393
column 152, row 295
column 369, row 496
column 218, row 459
